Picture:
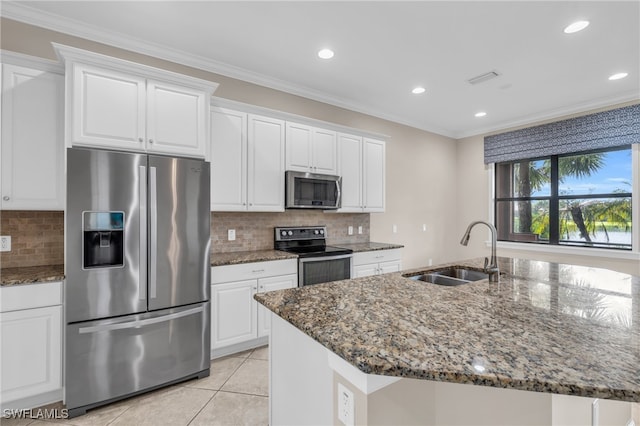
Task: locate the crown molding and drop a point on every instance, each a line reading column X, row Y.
column 555, row 113
column 20, row 11
column 28, row 61
column 23, row 13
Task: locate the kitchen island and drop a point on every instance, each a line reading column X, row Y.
column 542, row 344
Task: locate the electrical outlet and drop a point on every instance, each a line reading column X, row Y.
column 350, row 230
column 394, row 228
column 424, row 227
column 429, row 262
column 5, row 243
column 346, row 406
column 231, row 235
column 360, row 229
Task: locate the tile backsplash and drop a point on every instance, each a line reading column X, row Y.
column 37, row 238
column 254, row 231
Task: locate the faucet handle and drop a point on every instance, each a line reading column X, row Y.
column 486, row 263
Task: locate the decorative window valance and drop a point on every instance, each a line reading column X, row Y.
column 607, row 129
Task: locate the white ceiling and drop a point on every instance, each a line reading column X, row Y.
column 384, row 49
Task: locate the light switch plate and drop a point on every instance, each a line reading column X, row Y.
column 5, row 243
column 231, row 235
column 350, row 230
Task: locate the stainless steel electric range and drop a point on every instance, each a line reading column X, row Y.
column 317, row 262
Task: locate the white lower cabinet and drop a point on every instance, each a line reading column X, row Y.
column 237, row 319
column 376, row 262
column 31, row 351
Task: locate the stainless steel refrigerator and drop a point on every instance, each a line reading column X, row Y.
column 137, row 274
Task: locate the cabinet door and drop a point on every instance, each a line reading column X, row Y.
column 32, row 140
column 299, row 147
column 324, row 152
column 228, row 160
column 108, row 109
column 266, row 164
column 176, row 119
column 387, row 267
column 365, row 270
column 350, row 168
column 373, row 175
column 31, row 352
column 234, row 313
column 272, row 284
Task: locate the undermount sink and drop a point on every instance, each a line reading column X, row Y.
column 450, row 277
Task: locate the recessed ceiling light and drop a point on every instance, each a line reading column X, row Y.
column 325, row 53
column 418, row 90
column 481, row 114
column 618, row 76
column 576, row 26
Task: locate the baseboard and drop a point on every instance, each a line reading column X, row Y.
column 33, row 401
column 239, row 347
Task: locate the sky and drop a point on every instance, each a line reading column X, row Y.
column 615, row 174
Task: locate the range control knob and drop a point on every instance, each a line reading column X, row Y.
column 316, row 232
column 290, row 233
column 322, row 232
column 283, row 233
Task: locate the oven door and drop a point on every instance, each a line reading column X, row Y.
column 323, row 269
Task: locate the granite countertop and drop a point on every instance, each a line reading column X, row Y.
column 370, row 246
column 235, row 258
column 544, row 327
column 31, row 274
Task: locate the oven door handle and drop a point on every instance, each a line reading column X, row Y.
column 323, row 258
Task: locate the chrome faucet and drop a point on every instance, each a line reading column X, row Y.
column 490, row 266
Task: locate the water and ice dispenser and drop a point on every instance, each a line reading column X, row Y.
column 103, row 244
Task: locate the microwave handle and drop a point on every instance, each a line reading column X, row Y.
column 338, row 201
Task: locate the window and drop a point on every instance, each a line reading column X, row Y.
column 581, row 199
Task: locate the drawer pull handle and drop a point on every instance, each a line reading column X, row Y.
column 255, row 271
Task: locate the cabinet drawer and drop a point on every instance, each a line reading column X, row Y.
column 376, row 256
column 248, row 271
column 30, row 296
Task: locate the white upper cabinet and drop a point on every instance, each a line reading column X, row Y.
column 228, row 160
column 266, row 164
column 32, row 139
column 350, row 168
column 362, row 167
column 176, row 119
column 116, row 104
column 311, row 149
column 247, row 158
column 373, row 182
column 108, row 109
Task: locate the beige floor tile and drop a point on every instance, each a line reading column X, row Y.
column 260, row 353
column 175, row 407
column 234, row 409
column 251, row 377
column 221, row 370
column 104, row 415
column 4, row 421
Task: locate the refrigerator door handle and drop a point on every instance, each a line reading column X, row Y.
column 142, row 285
column 153, row 232
column 140, row 323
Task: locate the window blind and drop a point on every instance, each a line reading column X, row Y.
column 607, row 129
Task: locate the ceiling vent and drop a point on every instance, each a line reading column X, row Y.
column 483, row 77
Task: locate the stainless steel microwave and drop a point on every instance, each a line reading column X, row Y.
column 312, row 191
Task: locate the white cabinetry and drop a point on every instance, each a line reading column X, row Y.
column 362, row 167
column 117, row 104
column 237, row 320
column 32, row 139
column 311, row 149
column 376, row 262
column 31, row 351
column 247, row 157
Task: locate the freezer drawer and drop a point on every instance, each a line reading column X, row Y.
column 111, row 359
